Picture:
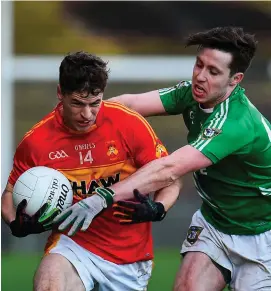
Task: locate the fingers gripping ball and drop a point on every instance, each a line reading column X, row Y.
column 24, row 224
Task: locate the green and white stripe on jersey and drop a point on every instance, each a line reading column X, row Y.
column 216, row 123
column 178, row 86
column 265, row 191
column 166, row 90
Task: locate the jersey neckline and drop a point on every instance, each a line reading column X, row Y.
column 233, row 94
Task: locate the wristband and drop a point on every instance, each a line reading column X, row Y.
column 161, row 213
column 107, row 194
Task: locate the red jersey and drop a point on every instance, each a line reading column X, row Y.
column 118, row 144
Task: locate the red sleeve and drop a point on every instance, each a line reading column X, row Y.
column 23, row 160
column 143, row 142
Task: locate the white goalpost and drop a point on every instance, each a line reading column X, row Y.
column 123, row 68
column 7, row 108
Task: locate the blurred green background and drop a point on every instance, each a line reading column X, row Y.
column 132, row 28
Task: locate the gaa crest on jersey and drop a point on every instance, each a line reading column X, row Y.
column 193, row 234
column 160, row 151
column 210, row 132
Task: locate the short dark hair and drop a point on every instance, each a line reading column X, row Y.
column 229, row 39
column 82, row 72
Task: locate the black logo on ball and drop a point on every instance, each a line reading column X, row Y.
column 62, row 198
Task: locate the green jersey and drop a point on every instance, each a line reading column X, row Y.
column 235, row 136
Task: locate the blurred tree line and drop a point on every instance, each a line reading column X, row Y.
column 130, row 27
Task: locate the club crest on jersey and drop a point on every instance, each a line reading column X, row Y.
column 210, row 132
column 112, row 150
column 183, row 84
column 160, row 151
column 193, row 234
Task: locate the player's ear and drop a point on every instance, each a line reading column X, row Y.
column 59, row 94
column 236, row 79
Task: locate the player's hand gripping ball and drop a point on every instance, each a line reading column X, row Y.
column 39, row 195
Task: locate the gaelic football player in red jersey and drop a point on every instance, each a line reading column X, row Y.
column 95, row 144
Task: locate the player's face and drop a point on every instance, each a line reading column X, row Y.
column 211, row 81
column 80, row 110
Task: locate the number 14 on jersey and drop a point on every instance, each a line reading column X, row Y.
column 85, row 157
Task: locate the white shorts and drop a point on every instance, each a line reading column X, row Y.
column 247, row 257
column 99, row 274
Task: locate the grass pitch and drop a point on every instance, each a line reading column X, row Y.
column 18, row 270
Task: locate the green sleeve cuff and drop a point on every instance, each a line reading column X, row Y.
column 107, row 194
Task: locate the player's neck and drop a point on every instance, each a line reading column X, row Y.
column 219, row 100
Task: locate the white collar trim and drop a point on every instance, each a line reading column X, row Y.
column 206, row 110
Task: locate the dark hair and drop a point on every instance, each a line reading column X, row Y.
column 82, row 72
column 232, row 40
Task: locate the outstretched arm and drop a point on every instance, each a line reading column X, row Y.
column 146, row 104
column 161, row 173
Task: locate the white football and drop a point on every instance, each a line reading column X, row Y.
column 39, row 185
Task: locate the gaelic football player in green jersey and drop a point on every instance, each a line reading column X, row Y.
column 229, row 151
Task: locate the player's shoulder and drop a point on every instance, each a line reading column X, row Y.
column 184, row 84
column 181, row 86
column 120, row 113
column 240, row 107
column 40, row 130
column 127, row 120
column 236, row 113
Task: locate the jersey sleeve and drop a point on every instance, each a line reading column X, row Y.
column 142, row 141
column 175, row 99
column 23, row 160
column 225, row 135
